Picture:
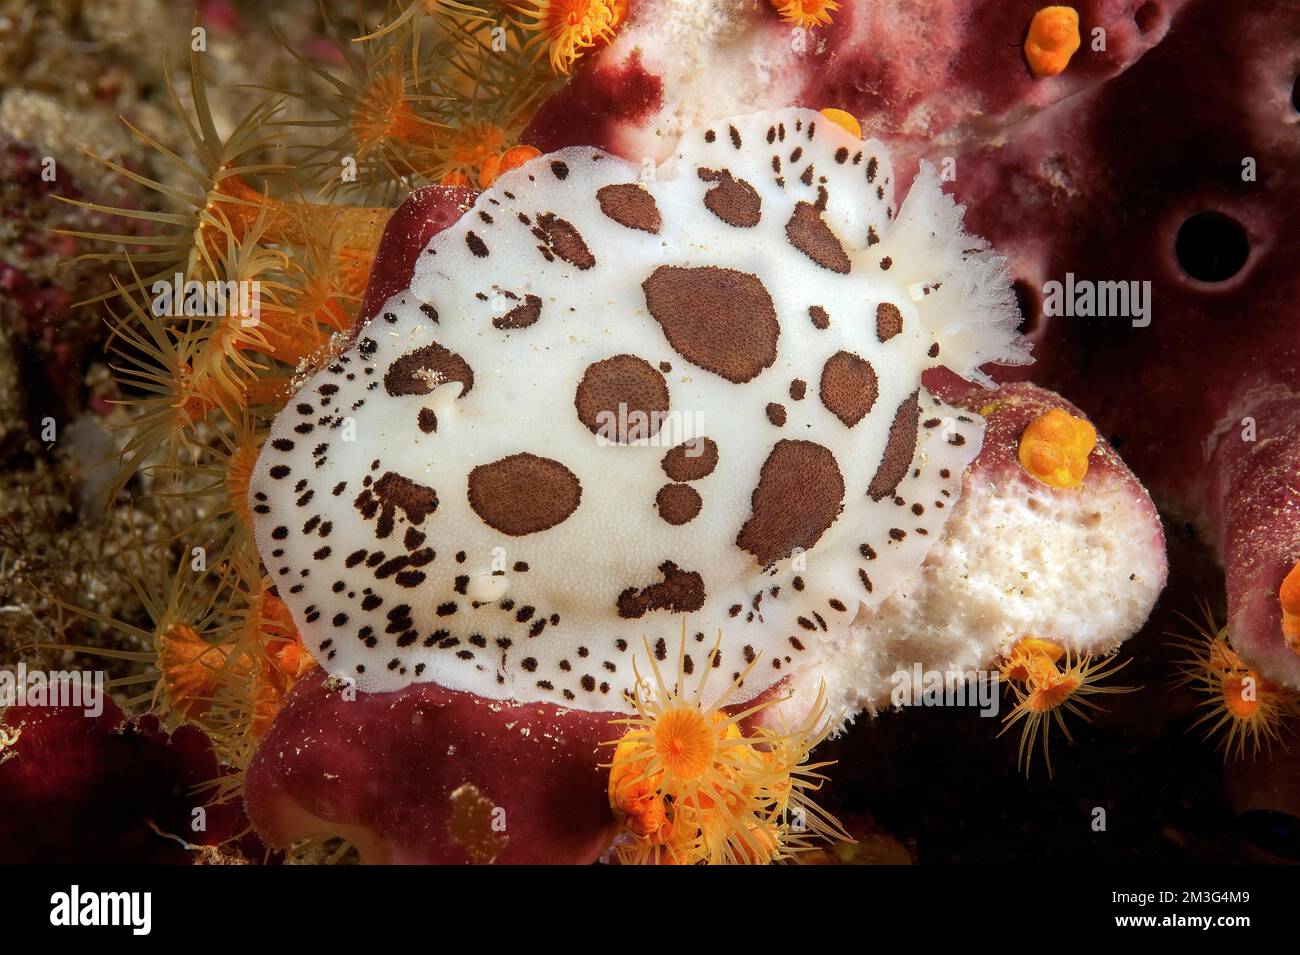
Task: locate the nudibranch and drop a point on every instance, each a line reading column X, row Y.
column 616, row 396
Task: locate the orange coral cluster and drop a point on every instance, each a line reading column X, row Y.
column 1055, row 448
column 1052, row 40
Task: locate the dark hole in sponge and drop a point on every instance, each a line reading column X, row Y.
column 1027, row 302
column 1277, row 833
column 1147, row 16
column 1295, row 94
column 1211, row 246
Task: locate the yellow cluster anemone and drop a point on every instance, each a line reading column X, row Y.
column 1244, row 710
column 566, row 29
column 219, row 650
column 445, row 104
column 419, row 100
column 232, row 679
column 703, row 784
column 191, row 669
column 176, row 240
column 1048, row 681
column 806, row 13
column 375, row 124
column 438, row 9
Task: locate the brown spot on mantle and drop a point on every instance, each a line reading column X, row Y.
column 814, row 238
column 680, row 591
column 899, row 449
column 717, row 319
column 800, row 494
column 630, row 205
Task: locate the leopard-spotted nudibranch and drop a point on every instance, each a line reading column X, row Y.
column 615, row 397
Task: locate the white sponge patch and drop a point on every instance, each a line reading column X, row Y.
column 1017, row 560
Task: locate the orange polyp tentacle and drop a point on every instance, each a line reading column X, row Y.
column 193, row 405
column 289, row 339
column 222, row 378
column 305, row 331
column 1021, row 661
column 313, row 313
column 272, row 390
column 1246, row 711
column 333, row 314
column 353, row 267
column 1236, row 700
column 690, row 785
column 357, row 228
column 684, row 741
column 1049, row 687
column 285, row 660
column 238, row 474
column 418, row 133
column 220, row 371
column 191, row 669
column 282, row 332
column 475, row 151
column 1222, row 658
column 276, row 617
column 1045, row 691
column 432, row 8
column 384, row 114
